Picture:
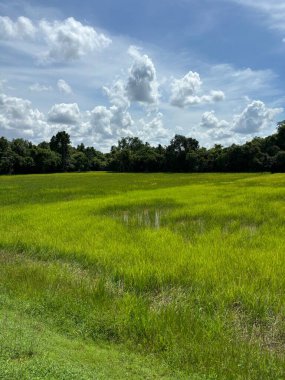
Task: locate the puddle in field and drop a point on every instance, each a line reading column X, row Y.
column 157, row 214
column 145, row 215
column 145, row 218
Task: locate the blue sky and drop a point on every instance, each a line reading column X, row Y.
column 210, row 69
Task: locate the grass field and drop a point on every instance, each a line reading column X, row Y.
column 142, row 276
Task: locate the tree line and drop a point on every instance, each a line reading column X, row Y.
column 183, row 154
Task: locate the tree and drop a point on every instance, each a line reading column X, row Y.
column 281, row 135
column 60, row 143
column 278, row 164
column 176, row 153
column 46, row 160
column 22, row 156
column 183, row 154
column 79, row 162
column 6, row 157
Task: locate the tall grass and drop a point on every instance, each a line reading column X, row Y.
column 190, row 268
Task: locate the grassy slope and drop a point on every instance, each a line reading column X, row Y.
column 30, row 351
column 189, row 268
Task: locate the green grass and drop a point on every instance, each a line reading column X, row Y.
column 30, row 351
column 115, row 276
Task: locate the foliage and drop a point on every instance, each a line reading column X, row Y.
column 183, row 154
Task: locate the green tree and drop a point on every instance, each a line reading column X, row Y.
column 46, row 160
column 22, row 156
column 177, row 152
column 278, row 164
column 79, row 162
column 6, row 157
column 60, row 143
column 281, row 135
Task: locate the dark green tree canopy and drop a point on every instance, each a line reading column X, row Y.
column 60, row 143
column 183, row 154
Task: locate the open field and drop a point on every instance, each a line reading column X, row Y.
column 142, row 276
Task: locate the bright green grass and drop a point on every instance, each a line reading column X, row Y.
column 185, row 271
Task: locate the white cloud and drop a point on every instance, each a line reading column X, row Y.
column 113, row 122
column 185, row 88
column 121, row 120
column 104, row 126
column 142, row 85
column 19, row 119
column 128, row 118
column 70, row 40
column 215, row 130
column 20, row 29
column 64, row 87
column 117, row 94
column 216, row 96
column 153, row 130
column 100, row 121
column 37, row 87
column 255, row 118
column 210, row 121
column 58, row 40
column 186, row 91
column 64, row 114
column 110, row 123
column 223, row 137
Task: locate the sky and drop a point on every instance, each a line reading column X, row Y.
column 102, row 70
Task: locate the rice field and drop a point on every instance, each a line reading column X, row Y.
column 142, row 276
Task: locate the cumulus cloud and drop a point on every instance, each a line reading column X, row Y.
column 117, row 94
column 62, row 40
column 254, row 118
column 121, row 120
column 153, row 130
column 215, row 129
column 64, row 87
column 222, row 136
column 64, row 114
column 37, row 87
column 19, row 119
column 142, row 85
column 216, row 96
column 210, row 121
column 185, row 88
column 186, row 91
column 110, row 123
column 69, row 39
column 19, row 29
column 100, row 120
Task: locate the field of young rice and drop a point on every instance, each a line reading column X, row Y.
column 142, row 276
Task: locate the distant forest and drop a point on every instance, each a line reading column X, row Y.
column 183, row 154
